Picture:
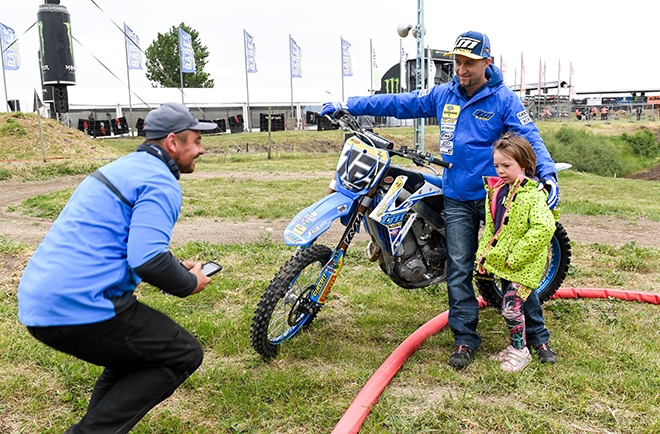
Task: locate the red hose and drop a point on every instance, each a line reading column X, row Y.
column 357, row 412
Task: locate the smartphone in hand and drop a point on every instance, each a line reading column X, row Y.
column 210, row 268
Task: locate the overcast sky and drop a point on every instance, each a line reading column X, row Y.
column 609, row 46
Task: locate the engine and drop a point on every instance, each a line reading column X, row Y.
column 422, row 259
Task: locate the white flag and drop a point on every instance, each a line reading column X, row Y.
column 251, row 52
column 432, row 70
column 346, row 58
column 133, row 49
column 187, row 53
column 375, row 78
column 296, row 60
column 10, row 57
column 402, row 71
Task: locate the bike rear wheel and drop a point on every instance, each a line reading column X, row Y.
column 285, row 308
column 559, row 258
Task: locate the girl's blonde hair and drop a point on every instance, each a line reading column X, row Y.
column 519, row 149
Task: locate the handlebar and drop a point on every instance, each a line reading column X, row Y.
column 419, row 158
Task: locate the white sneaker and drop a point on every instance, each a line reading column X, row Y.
column 516, row 360
column 502, row 355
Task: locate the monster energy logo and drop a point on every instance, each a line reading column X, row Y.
column 392, row 85
column 41, row 33
column 68, row 31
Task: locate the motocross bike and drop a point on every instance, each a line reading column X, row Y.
column 403, row 213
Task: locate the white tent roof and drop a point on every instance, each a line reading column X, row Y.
column 82, row 98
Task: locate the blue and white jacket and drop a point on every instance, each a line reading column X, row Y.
column 86, row 264
column 468, row 127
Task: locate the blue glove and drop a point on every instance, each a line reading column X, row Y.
column 550, row 184
column 330, row 107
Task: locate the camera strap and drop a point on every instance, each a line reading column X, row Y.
column 98, row 175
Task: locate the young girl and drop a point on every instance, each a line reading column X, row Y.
column 519, row 227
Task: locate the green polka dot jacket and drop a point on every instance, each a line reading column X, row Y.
column 518, row 251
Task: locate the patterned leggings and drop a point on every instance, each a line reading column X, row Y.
column 513, row 311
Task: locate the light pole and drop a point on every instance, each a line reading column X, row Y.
column 418, row 32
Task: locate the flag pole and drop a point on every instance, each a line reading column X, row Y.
column 341, row 53
column 570, row 92
column 371, row 63
column 538, row 101
column 128, row 75
column 522, row 75
column 291, row 74
column 4, row 79
column 247, row 86
column 37, row 107
column 558, row 88
column 181, row 64
column 545, row 84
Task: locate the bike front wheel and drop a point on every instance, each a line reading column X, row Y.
column 285, row 306
column 556, row 267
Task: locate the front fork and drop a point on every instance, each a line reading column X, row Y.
column 332, row 268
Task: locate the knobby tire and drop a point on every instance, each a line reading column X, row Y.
column 276, row 318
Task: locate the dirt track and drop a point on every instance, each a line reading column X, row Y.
column 582, row 229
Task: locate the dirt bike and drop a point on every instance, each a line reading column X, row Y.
column 403, row 213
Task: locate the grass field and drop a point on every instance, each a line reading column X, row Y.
column 607, row 379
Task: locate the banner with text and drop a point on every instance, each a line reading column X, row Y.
column 346, row 58
column 133, row 49
column 187, row 53
column 251, row 53
column 296, row 60
column 10, row 56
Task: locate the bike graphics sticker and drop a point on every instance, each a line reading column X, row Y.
column 523, row 117
column 359, row 164
column 388, row 200
column 451, row 111
column 299, row 229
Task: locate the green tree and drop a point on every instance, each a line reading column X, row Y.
column 163, row 55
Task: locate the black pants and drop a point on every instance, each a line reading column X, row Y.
column 146, row 357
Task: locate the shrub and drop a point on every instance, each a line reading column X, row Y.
column 643, row 143
column 586, row 151
column 12, row 128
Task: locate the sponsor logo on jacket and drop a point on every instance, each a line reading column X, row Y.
column 484, row 116
column 523, row 117
column 451, row 111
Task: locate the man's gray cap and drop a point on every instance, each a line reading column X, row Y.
column 173, row 117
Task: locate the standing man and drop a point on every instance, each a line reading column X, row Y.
column 473, row 110
column 76, row 294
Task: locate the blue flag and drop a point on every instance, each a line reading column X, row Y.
column 296, row 60
column 133, row 49
column 250, row 50
column 10, row 57
column 187, row 53
column 346, row 58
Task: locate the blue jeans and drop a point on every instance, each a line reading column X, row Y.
column 462, row 221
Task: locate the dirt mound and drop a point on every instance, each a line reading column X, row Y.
column 652, row 174
column 19, row 140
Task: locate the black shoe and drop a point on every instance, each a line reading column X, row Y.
column 461, row 356
column 545, row 353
